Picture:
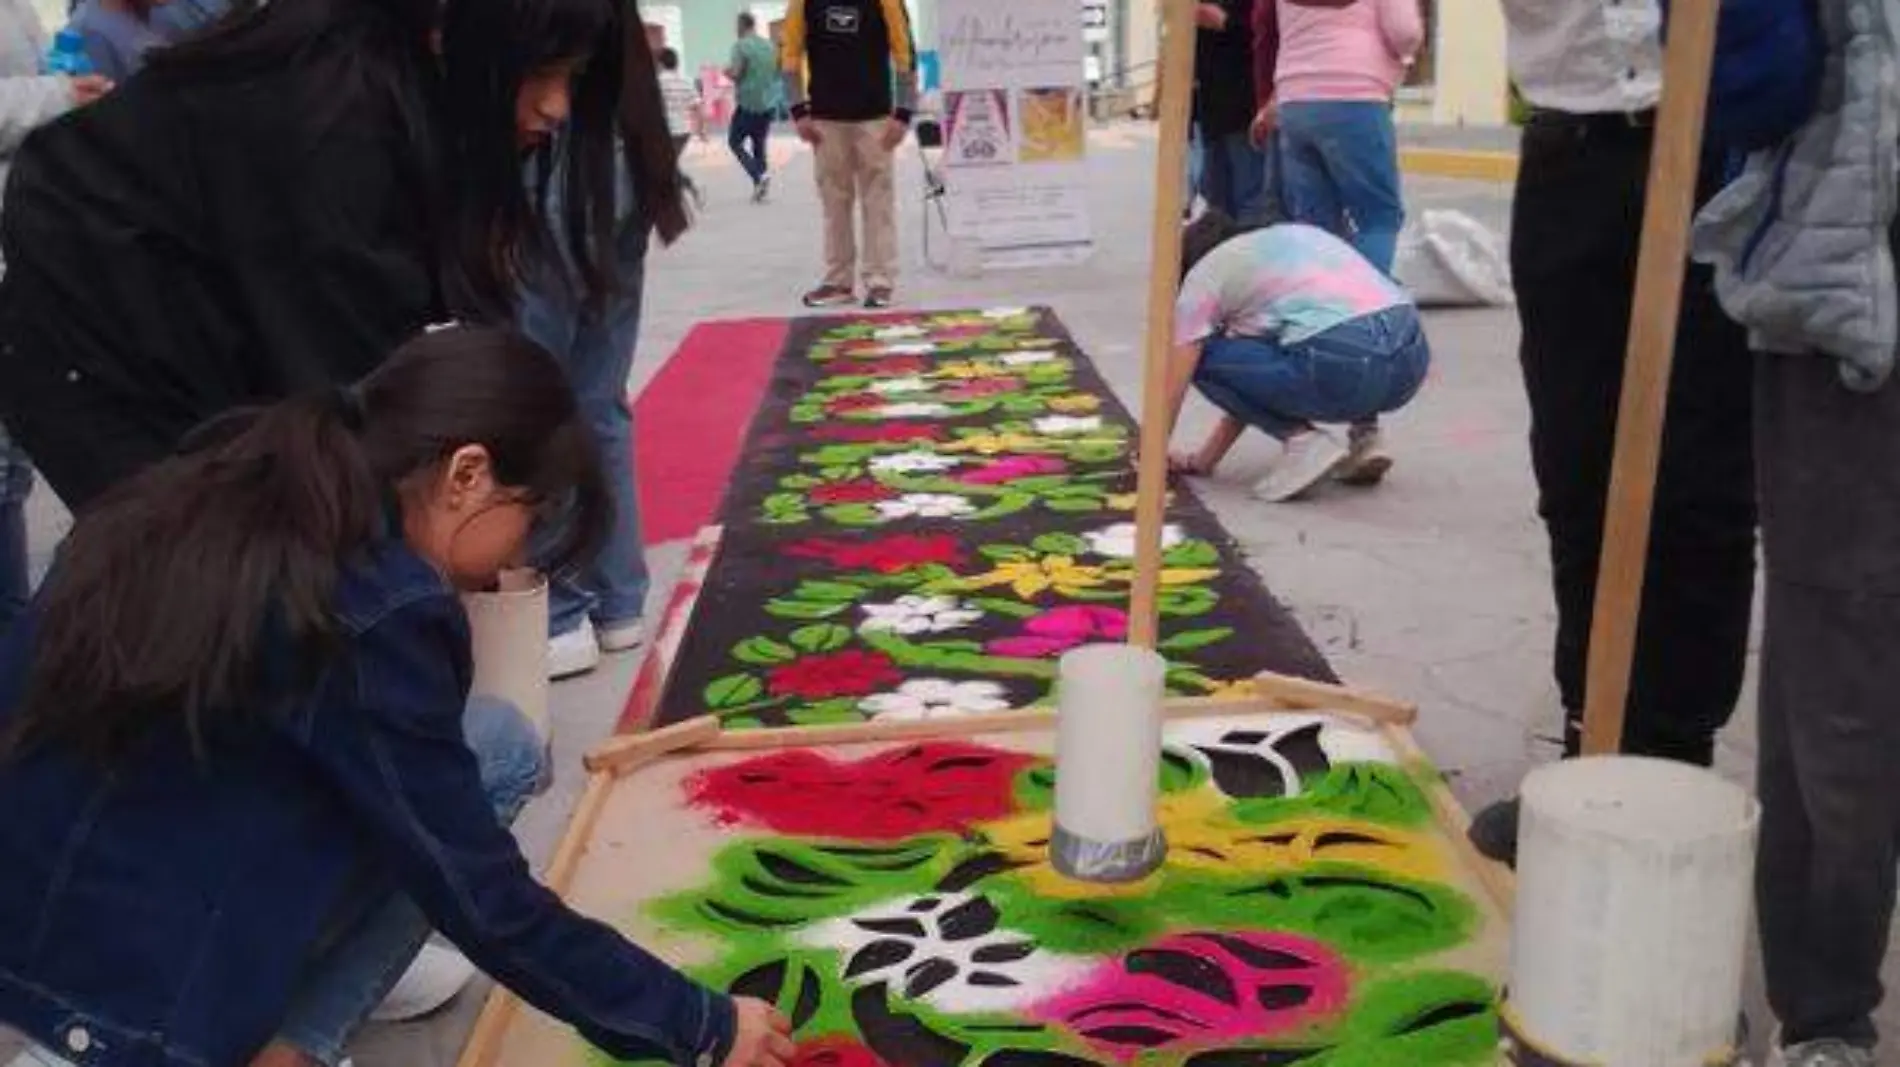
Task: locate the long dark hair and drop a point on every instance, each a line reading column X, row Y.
column 178, row 591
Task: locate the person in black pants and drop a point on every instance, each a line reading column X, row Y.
column 1575, row 230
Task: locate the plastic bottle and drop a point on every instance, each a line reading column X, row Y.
column 68, row 55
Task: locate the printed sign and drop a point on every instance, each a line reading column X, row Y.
column 1015, row 135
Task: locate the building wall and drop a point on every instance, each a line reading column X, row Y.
column 1470, row 82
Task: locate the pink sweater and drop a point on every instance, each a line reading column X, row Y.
column 1345, row 49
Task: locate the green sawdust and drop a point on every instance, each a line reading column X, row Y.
column 1376, row 792
column 770, row 885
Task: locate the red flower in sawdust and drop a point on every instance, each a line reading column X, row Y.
column 874, row 433
column 854, row 402
column 894, row 367
column 862, row 491
column 851, row 673
column 978, row 388
column 834, row 1052
column 887, row 555
column 941, row 786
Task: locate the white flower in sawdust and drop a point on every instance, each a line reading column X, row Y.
column 925, row 506
column 1061, row 425
column 898, row 333
column 909, row 615
column 913, row 410
column 1005, row 313
column 1026, row 359
column 1118, row 541
column 901, row 385
column 910, row 348
column 913, row 463
column 936, row 698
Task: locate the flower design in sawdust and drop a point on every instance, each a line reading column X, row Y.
column 936, row 698
column 913, row 463
column 1273, row 759
column 1060, row 629
column 909, row 615
column 925, row 506
column 899, row 333
column 919, row 409
column 900, row 385
column 948, row 951
column 999, row 314
column 1118, row 541
column 889, row 555
column 1062, row 425
column 852, row 672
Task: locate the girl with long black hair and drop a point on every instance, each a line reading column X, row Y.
column 233, row 747
column 273, row 205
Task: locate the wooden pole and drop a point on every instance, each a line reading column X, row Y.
column 1151, row 486
column 1674, row 161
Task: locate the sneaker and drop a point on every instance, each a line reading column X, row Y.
column 574, row 652
column 830, row 296
column 1824, row 1053
column 1494, row 831
column 1367, row 461
column 880, row 296
column 762, row 189
column 623, row 636
column 1305, row 461
column 432, row 980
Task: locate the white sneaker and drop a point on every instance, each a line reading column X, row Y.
column 574, row 652
column 437, row 974
column 623, row 636
column 1305, row 461
column 1827, row 1053
column 1367, row 461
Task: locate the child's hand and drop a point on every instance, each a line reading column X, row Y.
column 89, row 87
column 763, row 1038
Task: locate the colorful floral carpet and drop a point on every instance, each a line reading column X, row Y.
column 928, row 511
column 896, row 902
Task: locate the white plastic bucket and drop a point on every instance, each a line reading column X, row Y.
column 1108, row 763
column 508, row 635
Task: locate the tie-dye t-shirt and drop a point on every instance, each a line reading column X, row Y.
column 1287, row 282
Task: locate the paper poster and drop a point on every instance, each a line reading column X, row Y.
column 1015, row 129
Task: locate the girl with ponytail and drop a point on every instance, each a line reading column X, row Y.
column 238, row 779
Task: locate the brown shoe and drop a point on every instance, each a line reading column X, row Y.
column 830, row 296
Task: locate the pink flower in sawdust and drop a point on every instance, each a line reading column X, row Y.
column 978, row 388
column 894, row 367
column 1202, row 990
column 1011, row 468
column 853, row 402
column 874, row 433
column 1060, row 629
column 861, row 491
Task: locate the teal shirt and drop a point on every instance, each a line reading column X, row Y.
column 757, row 64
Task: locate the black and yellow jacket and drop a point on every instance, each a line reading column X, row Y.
column 849, row 60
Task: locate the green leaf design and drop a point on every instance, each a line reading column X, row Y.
column 1060, row 544
column 803, row 609
column 733, row 690
column 822, row 637
column 854, row 515
column 1186, row 600
column 1191, row 554
column 1006, row 553
column 844, row 383
column 765, row 886
column 780, row 503
column 838, row 473
column 840, row 456
column 1073, row 504
column 1014, row 609
column 1190, row 639
column 828, row 591
column 826, row 713
column 763, row 651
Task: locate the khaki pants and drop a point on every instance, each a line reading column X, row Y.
column 854, row 168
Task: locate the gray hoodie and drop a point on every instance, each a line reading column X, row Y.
column 28, row 99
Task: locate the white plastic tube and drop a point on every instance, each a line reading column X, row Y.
column 1108, row 764
column 508, row 631
column 1633, row 893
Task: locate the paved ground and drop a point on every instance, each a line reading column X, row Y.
column 1432, row 587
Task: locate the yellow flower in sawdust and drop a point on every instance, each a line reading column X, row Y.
column 1204, row 838
column 1075, row 402
column 1238, row 688
column 1027, row 577
column 990, row 444
column 1124, row 571
column 970, row 368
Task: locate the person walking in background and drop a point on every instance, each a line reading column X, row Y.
column 755, row 79
column 863, row 71
column 1284, row 327
column 684, row 113
column 1235, row 177
column 1592, row 75
column 28, row 100
column 1336, row 67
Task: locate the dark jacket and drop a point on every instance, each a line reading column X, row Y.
column 1224, row 73
column 860, row 57
column 163, row 911
column 1767, row 73
column 177, row 250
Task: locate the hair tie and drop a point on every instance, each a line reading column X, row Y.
column 348, row 405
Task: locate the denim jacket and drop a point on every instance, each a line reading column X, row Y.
column 158, row 913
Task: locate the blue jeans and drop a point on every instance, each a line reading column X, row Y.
column 1352, row 372
column 597, row 352
column 16, row 484
column 1237, row 178
column 1340, row 164
column 750, row 128
column 376, row 933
